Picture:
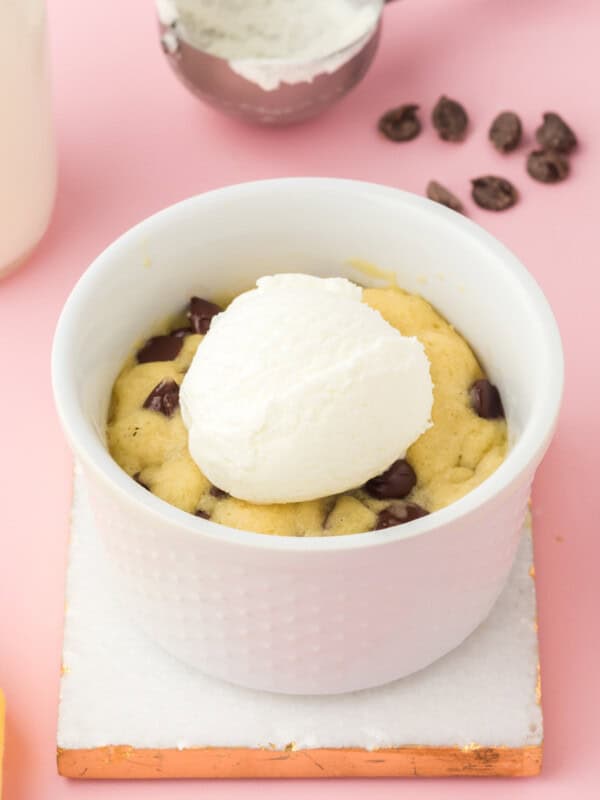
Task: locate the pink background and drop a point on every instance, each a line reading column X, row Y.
column 131, row 141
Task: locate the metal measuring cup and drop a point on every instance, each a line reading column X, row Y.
column 212, row 79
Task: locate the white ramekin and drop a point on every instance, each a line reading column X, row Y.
column 309, row 615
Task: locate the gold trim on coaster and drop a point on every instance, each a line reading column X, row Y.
column 123, row 761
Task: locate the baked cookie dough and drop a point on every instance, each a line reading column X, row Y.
column 466, row 443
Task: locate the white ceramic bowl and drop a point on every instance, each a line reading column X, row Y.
column 316, row 615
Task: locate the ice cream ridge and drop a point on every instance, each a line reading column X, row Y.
column 308, row 407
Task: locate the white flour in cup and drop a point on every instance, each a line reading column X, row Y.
column 270, row 42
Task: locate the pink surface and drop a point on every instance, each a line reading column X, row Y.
column 132, row 141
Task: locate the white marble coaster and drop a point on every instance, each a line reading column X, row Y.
column 118, row 688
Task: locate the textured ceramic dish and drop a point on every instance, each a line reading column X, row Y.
column 318, row 615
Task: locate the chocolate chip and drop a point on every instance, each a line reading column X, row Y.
column 547, row 166
column 485, row 399
column 555, row 134
column 450, row 119
column 200, row 513
column 138, row 480
column 159, row 348
column 181, row 333
column 164, row 398
column 400, row 124
column 435, row 191
column 396, row 482
column 216, row 492
column 398, row 514
column 505, row 131
column 200, row 314
column 494, row 193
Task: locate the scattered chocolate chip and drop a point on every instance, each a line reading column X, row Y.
column 216, row 492
column 435, row 191
column 555, row 134
column 159, row 348
column 494, row 193
column 164, row 398
column 485, row 399
column 200, row 314
column 398, row 514
column 505, row 131
column 181, row 333
column 450, row 119
column 547, row 166
column 137, row 479
column 200, row 513
column 401, row 124
column 396, row 482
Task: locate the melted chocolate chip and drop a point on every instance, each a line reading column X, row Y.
column 200, row 513
column 494, row 193
column 216, row 492
column 555, row 134
column 505, row 131
column 138, row 480
column 200, row 314
column 396, row 482
column 164, row 398
column 181, row 333
column 485, row 399
column 435, row 191
column 547, row 166
column 398, row 514
column 450, row 119
column 400, row 124
column 159, row 348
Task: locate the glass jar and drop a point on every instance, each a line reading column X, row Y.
column 27, row 151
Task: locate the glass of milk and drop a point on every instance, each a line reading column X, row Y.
column 27, row 151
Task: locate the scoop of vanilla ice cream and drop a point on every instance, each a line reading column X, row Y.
column 299, row 390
